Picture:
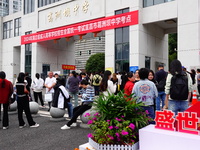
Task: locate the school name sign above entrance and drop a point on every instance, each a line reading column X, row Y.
column 106, row 23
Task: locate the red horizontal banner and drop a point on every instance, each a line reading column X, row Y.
column 68, row 67
column 106, row 23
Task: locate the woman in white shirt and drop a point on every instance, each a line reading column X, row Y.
column 107, row 85
column 37, row 86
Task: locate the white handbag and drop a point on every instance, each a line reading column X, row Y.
column 48, row 97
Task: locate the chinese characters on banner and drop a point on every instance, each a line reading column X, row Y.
column 106, row 23
column 186, row 122
column 68, row 67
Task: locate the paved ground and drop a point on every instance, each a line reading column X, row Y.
column 48, row 136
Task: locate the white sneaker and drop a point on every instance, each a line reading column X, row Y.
column 4, row 128
column 22, row 126
column 65, row 127
column 74, row 125
column 35, row 125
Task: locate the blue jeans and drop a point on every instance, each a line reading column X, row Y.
column 151, row 114
column 159, row 99
column 75, row 96
column 177, row 105
column 70, row 110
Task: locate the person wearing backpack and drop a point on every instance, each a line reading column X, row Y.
column 160, row 77
column 178, row 88
column 96, row 80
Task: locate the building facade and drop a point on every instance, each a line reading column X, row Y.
column 47, row 34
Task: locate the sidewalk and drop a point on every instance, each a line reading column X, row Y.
column 48, row 136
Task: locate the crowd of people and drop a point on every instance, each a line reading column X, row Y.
column 157, row 91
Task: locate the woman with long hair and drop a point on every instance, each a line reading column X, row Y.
column 137, row 77
column 177, row 74
column 114, row 79
column 6, row 90
column 23, row 102
column 129, row 84
column 73, row 83
column 151, row 77
column 107, row 85
column 37, row 87
column 61, row 97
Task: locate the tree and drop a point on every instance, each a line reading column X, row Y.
column 172, row 47
column 96, row 63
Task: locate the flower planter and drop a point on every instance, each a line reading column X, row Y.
column 97, row 146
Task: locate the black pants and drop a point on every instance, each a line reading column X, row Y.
column 5, row 115
column 23, row 105
column 198, row 87
column 78, row 111
column 36, row 95
column 96, row 89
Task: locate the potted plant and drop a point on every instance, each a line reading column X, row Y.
column 117, row 121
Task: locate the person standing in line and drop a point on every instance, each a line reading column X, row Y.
column 96, row 80
column 114, row 79
column 73, row 87
column 87, row 99
column 177, row 99
column 123, row 80
column 193, row 77
column 160, row 77
column 23, row 102
column 29, row 81
column 37, row 87
column 107, row 85
column 146, row 92
column 137, row 78
column 151, row 77
column 129, row 85
column 198, row 80
column 6, row 90
column 49, row 83
column 119, row 80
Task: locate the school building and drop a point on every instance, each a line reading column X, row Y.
column 60, row 35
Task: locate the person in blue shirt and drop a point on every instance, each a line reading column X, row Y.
column 87, row 99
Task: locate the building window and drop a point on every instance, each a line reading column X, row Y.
column 46, row 2
column 122, row 46
column 4, row 7
column 89, row 52
column 7, row 30
column 17, row 6
column 29, row 6
column 147, row 3
column 17, row 27
column 28, row 55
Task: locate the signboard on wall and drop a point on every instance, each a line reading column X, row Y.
column 133, row 68
column 68, row 67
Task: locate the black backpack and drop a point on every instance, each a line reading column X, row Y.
column 161, row 85
column 179, row 87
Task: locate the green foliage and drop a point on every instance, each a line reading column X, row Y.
column 172, row 46
column 118, row 120
column 96, row 63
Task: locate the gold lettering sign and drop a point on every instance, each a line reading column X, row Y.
column 85, row 6
column 53, row 16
